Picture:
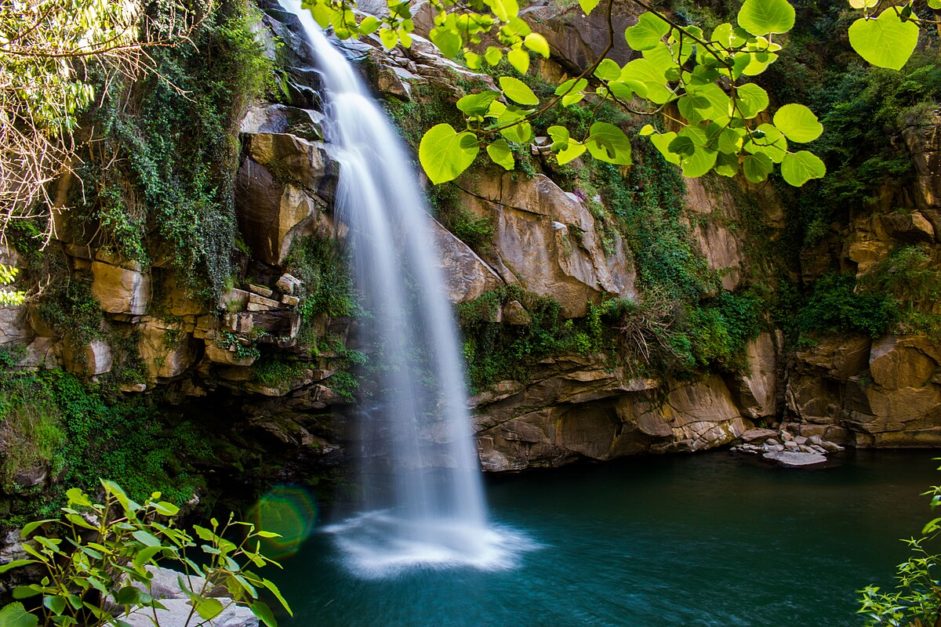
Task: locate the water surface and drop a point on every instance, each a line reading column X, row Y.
column 707, row 539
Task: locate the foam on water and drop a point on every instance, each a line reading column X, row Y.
column 377, row 545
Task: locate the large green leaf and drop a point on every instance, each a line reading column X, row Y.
column 477, row 104
column 15, row 615
column 448, row 40
column 800, row 167
column 517, row 91
column 647, row 32
column 698, row 163
column 757, row 167
column 762, row 17
column 444, row 153
column 750, row 100
column 519, row 59
column 538, row 44
column 798, row 123
column 886, row 41
column 500, row 153
column 606, row 142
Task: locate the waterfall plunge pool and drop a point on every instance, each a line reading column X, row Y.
column 706, row 539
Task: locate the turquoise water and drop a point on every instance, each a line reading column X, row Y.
column 708, row 539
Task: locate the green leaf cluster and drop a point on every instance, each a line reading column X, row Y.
column 98, row 554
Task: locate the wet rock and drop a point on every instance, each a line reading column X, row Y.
column 758, row 435
column 120, row 290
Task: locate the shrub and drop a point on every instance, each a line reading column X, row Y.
column 835, row 307
column 916, row 599
column 96, row 556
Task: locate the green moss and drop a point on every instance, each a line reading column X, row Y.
column 79, row 433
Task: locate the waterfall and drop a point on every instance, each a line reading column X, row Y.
column 422, row 499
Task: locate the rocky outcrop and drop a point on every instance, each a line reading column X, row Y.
column 546, row 241
column 467, row 275
column 578, row 408
column 283, row 185
column 120, row 290
column 884, row 394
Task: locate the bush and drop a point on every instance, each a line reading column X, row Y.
column 835, row 307
column 916, row 599
column 95, row 558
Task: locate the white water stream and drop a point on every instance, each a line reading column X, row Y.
column 422, row 500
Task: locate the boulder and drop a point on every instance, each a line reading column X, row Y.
column 120, row 290
column 840, row 357
column 90, row 359
column 165, row 350
column 219, row 355
column 278, row 118
column 516, row 315
column 911, row 227
column 546, row 241
column 177, row 613
column 271, row 214
column 894, row 365
column 467, row 276
column 795, row 458
column 577, row 40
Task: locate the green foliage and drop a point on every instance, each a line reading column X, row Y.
column 275, row 372
column 864, row 111
column 164, row 175
column 68, row 306
column 52, row 421
column 10, row 298
column 720, row 328
column 31, row 433
column 916, row 599
column 494, row 351
column 96, row 555
column 323, row 267
column 834, row 306
column 649, row 201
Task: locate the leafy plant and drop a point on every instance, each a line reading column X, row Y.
column 95, row 557
column 916, row 599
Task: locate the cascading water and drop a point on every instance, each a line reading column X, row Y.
column 423, row 500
